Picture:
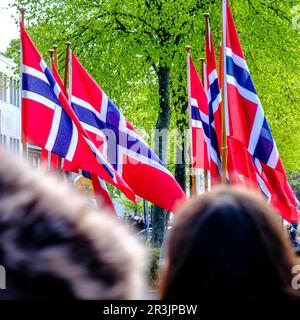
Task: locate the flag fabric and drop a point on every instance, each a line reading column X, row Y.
column 101, row 192
column 51, row 160
column 199, row 120
column 247, row 126
column 214, row 108
column 49, row 121
column 121, row 144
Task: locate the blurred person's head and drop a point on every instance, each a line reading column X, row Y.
column 228, row 244
column 53, row 245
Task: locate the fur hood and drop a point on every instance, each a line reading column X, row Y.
column 54, row 245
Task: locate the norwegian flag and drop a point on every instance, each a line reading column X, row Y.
column 214, row 107
column 51, row 160
column 199, row 120
column 49, row 121
column 101, row 192
column 121, row 144
column 247, row 127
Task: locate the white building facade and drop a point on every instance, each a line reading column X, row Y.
column 10, row 111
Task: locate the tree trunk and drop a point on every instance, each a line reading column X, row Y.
column 181, row 123
column 161, row 138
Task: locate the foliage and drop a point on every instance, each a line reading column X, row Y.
column 133, row 208
column 154, row 269
column 13, row 50
column 294, row 180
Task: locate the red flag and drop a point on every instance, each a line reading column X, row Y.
column 49, row 121
column 48, row 159
column 198, row 119
column 101, row 193
column 258, row 158
column 214, row 108
column 121, row 144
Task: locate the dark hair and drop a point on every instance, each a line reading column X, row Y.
column 53, row 245
column 228, row 244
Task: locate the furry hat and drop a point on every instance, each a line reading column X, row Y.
column 54, row 245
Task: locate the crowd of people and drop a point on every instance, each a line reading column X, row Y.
column 136, row 222
column 226, row 243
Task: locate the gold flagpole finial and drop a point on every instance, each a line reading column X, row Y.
column 66, row 75
column 55, row 58
column 188, row 48
column 206, row 16
column 51, row 51
column 22, row 13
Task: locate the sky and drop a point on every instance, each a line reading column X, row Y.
column 8, row 28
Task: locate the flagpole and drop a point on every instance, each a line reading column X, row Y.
column 203, row 73
column 66, row 75
column 224, row 94
column 24, row 142
column 206, row 16
column 192, row 176
column 146, row 218
column 65, row 88
column 51, row 52
column 204, row 81
column 55, row 58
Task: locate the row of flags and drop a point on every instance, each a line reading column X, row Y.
column 84, row 130
column 89, row 133
column 250, row 154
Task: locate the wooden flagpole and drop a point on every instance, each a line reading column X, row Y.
column 146, row 218
column 192, row 175
column 22, row 14
column 55, row 58
column 51, row 52
column 203, row 72
column 66, row 81
column 24, row 143
column 224, row 94
column 66, row 75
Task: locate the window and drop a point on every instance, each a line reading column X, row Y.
column 14, row 145
column 1, row 87
column 18, row 146
column 4, row 140
column 11, row 90
column 5, row 88
column 17, row 93
column 34, row 156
